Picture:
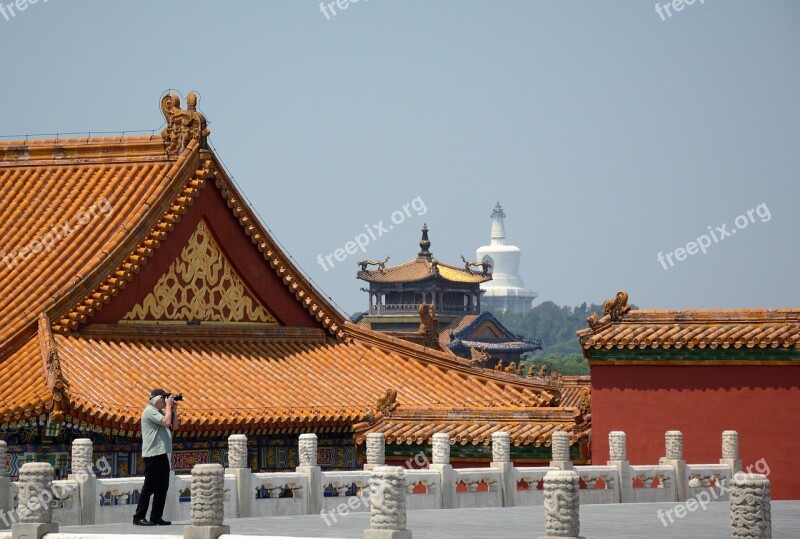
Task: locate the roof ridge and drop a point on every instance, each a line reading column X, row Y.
column 291, row 276
column 54, row 376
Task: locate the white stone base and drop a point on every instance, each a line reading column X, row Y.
column 387, row 534
column 32, row 530
column 561, row 537
column 205, row 532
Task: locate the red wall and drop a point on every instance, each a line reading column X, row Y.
column 762, row 403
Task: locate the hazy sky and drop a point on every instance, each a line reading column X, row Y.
column 608, row 134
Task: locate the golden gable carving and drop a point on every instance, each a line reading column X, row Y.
column 201, row 285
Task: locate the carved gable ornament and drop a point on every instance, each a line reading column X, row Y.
column 183, row 126
column 201, row 284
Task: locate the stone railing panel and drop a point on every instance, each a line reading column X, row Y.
column 478, row 487
column 117, row 499
column 530, row 485
column 600, row 484
column 709, row 478
column 280, row 494
column 423, row 490
column 344, row 485
column 658, row 484
column 67, row 503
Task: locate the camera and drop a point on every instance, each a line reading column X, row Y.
column 178, row 396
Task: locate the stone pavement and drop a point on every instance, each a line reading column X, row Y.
column 597, row 521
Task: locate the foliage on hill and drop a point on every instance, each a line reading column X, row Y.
column 556, row 327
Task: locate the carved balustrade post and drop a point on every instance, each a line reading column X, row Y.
column 208, row 510
column 674, row 457
column 730, row 451
column 618, row 458
column 376, row 450
column 441, row 463
column 239, row 466
column 82, row 468
column 387, row 504
column 750, row 506
column 307, row 452
column 560, row 451
column 35, row 494
column 562, row 505
column 501, row 460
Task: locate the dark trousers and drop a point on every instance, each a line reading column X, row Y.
column 156, row 484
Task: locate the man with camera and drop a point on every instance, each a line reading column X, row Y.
column 159, row 418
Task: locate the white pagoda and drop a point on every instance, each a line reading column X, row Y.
column 505, row 292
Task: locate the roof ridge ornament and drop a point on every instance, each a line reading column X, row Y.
column 486, row 265
column 617, row 307
column 183, row 126
column 424, row 244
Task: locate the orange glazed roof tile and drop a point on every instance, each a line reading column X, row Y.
column 266, row 377
column 65, row 205
column 533, row 431
column 622, row 328
column 421, row 269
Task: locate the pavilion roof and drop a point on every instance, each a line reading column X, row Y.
column 424, row 267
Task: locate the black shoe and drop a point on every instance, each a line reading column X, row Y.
column 142, row 522
column 161, row 522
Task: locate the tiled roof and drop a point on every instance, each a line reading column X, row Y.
column 652, row 329
column 461, row 336
column 748, row 328
column 571, row 389
column 24, row 392
column 46, row 187
column 263, row 377
column 421, row 269
column 524, row 426
column 46, row 184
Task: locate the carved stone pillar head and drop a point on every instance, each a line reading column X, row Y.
column 237, row 451
column 387, row 497
column 674, row 442
column 750, row 506
column 376, row 448
column 208, row 483
column 560, row 446
column 441, row 448
column 501, row 447
column 35, row 493
column 617, row 445
column 3, row 452
column 82, row 456
column 730, row 444
column 308, row 449
column 561, row 504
